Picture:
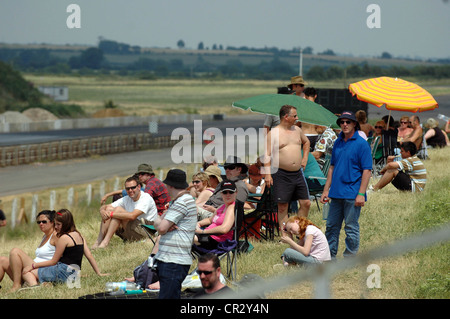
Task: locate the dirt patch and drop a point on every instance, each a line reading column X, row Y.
column 37, row 114
column 109, row 113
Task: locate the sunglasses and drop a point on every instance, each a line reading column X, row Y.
column 230, row 167
column 378, row 127
column 41, row 221
column 404, row 122
column 204, row 272
column 196, row 182
column 345, row 122
column 131, row 187
column 227, row 192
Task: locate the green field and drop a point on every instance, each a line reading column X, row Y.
column 388, row 216
column 170, row 96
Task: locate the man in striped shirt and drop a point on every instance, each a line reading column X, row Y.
column 407, row 174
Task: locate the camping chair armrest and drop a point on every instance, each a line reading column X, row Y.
column 254, row 197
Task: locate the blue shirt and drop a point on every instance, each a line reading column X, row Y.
column 349, row 159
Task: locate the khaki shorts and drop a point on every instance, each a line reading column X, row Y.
column 132, row 231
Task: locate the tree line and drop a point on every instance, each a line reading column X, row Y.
column 93, row 60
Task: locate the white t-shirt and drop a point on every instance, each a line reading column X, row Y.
column 319, row 247
column 145, row 204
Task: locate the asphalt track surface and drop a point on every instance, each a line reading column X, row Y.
column 39, row 176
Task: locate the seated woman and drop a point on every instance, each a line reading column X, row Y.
column 312, row 246
column 380, row 126
column 46, row 249
column 70, row 248
column 219, row 225
column 255, row 184
column 201, row 189
column 405, row 130
column 434, row 136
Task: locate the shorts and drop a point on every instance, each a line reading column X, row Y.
column 132, row 231
column 58, row 273
column 289, row 186
column 402, row 181
column 207, row 242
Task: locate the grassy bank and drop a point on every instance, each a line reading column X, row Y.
column 388, row 216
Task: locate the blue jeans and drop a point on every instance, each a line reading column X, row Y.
column 292, row 256
column 343, row 210
column 171, row 277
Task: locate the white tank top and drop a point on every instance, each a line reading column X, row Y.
column 45, row 252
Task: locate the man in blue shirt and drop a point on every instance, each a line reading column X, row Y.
column 347, row 180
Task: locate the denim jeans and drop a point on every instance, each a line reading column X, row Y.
column 292, row 256
column 343, row 210
column 171, row 277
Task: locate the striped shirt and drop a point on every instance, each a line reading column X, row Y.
column 175, row 246
column 414, row 167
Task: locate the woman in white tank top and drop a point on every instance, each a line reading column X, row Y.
column 46, row 249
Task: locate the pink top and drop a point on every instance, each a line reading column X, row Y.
column 217, row 221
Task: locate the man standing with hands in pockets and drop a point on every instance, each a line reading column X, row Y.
column 347, row 180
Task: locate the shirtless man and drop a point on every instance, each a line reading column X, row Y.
column 283, row 154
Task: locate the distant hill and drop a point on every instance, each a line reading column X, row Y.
column 191, row 57
column 15, row 91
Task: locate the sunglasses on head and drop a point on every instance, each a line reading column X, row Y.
column 204, row 272
column 131, row 187
column 41, row 221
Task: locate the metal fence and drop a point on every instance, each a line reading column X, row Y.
column 322, row 275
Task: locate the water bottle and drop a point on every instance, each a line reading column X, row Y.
column 443, row 117
column 326, row 209
column 151, row 262
column 119, row 288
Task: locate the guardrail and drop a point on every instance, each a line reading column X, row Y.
column 78, row 148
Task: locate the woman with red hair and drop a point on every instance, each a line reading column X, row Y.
column 311, row 247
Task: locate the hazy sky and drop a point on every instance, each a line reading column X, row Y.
column 414, row 28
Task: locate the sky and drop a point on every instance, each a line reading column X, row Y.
column 403, row 28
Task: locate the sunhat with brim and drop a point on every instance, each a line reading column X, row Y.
column 349, row 116
column 176, row 178
column 212, row 170
column 235, row 161
column 297, row 80
column 145, row 168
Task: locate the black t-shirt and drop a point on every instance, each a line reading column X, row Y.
column 219, row 292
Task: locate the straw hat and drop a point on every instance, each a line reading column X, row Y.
column 297, row 80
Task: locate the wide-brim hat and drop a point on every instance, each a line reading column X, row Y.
column 145, row 168
column 234, row 160
column 297, row 80
column 213, row 170
column 350, row 116
column 176, row 178
column 228, row 186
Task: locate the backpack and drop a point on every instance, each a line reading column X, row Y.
column 145, row 275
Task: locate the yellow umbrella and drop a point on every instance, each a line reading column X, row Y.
column 396, row 94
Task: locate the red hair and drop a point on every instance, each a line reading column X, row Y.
column 302, row 223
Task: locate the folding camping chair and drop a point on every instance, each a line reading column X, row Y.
column 316, row 177
column 230, row 249
column 264, row 215
column 150, row 231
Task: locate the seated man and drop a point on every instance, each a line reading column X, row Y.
column 154, row 187
column 122, row 217
column 417, row 135
column 233, row 168
column 209, row 272
column 407, row 174
column 324, row 144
